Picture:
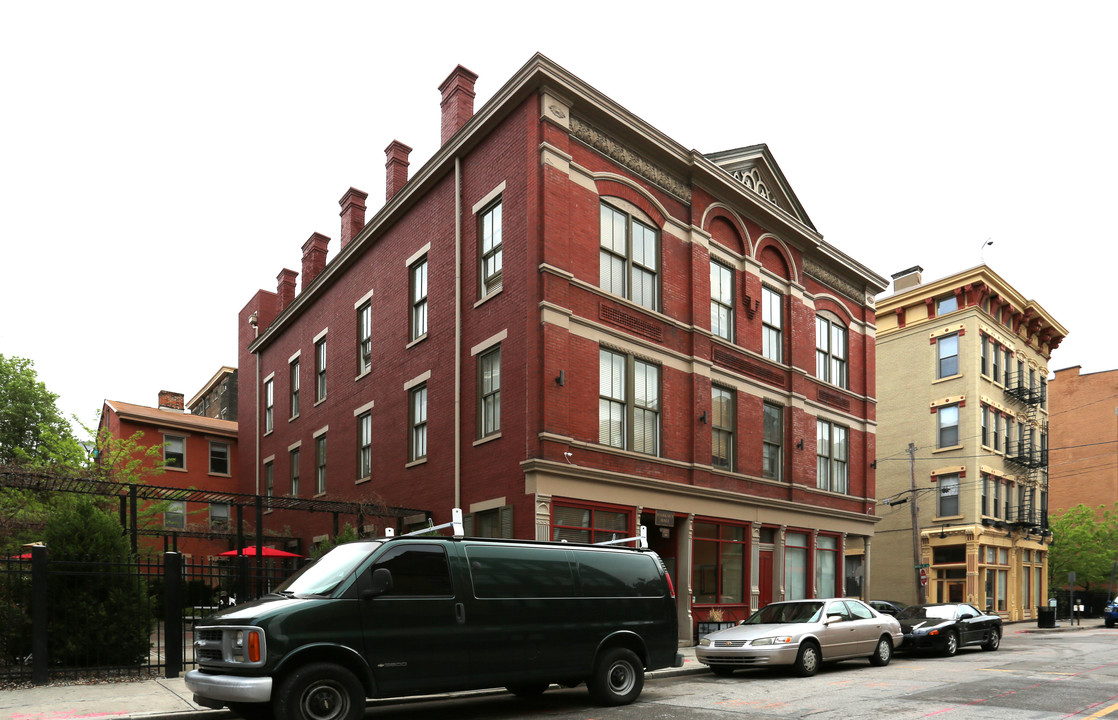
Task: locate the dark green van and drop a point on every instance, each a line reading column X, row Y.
column 414, row 615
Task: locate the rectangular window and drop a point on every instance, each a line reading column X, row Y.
column 722, row 427
column 628, row 403
column 947, row 349
column 830, row 351
column 174, row 517
column 985, row 495
column 795, row 566
column 831, row 457
column 826, row 565
column 946, row 305
column 269, row 479
column 320, row 370
column 174, row 451
column 588, row 525
column 294, row 459
column 996, row 353
column 985, row 368
column 364, row 445
column 1006, row 355
column 947, row 418
column 997, row 498
column 985, row 425
column 495, row 523
column 219, row 517
column 772, row 444
column 417, row 421
column 320, row 464
column 364, row 338
column 219, row 458
column 997, row 417
column 491, row 249
column 718, row 563
column 269, row 406
column 772, row 324
column 629, row 258
column 295, row 389
column 489, row 390
column 418, row 283
column 948, row 495
column 721, row 301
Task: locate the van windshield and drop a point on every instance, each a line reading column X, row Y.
column 323, row 575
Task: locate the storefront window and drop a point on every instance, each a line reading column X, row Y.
column 588, row 524
column 795, row 566
column 718, row 563
column 826, row 563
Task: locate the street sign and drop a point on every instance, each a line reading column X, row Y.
column 924, row 576
column 923, row 565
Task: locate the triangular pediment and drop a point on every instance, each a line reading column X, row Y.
column 755, row 168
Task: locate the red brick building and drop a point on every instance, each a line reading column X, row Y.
column 1083, row 441
column 570, row 326
column 199, row 453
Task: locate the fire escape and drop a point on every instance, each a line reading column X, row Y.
column 1029, row 452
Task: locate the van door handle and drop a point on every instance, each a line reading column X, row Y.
column 460, row 613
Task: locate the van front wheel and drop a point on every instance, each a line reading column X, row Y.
column 618, row 677
column 320, row 691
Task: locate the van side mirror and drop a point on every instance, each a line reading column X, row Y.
column 381, row 583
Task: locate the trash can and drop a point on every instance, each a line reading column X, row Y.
column 1046, row 617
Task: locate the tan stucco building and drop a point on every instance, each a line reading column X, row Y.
column 962, row 443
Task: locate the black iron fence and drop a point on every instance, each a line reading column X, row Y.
column 63, row 618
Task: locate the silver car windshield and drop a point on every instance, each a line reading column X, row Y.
column 323, row 576
column 783, row 613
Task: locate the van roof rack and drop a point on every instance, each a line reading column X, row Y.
column 641, row 540
column 455, row 522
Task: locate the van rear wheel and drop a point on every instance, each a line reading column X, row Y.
column 618, row 677
column 320, row 691
column 252, row 711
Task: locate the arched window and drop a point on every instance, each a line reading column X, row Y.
column 831, row 349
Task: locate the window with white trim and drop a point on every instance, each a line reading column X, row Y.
column 491, row 247
column 364, row 445
column 947, row 355
column 947, row 495
column 722, row 427
column 830, row 350
column 772, row 324
column 417, row 422
column 320, row 464
column 294, row 469
column 629, row 257
column 320, row 370
column 418, row 294
column 219, row 458
column 721, row 301
column 365, row 338
column 628, row 402
column 772, row 443
column 295, row 388
column 269, row 406
column 832, row 455
column 947, row 420
column 174, row 451
column 489, row 392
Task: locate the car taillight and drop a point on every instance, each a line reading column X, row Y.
column 671, row 586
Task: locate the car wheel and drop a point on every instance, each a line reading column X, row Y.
column 1109, row 622
column 994, row 641
column 883, row 654
column 320, row 691
column 807, row 660
column 950, row 643
column 528, row 690
column 252, row 711
column 618, row 677
column 722, row 670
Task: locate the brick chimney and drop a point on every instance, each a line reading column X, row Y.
column 286, row 287
column 458, row 100
column 397, row 165
column 314, row 258
column 353, row 213
column 171, row 401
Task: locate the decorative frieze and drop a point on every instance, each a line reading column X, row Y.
column 827, row 277
column 628, row 158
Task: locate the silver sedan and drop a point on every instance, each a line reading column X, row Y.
column 803, row 634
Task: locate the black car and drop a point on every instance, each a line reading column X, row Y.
column 946, row 627
column 887, row 607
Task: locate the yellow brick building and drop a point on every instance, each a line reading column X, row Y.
column 962, row 368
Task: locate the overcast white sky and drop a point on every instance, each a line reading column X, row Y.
column 161, row 162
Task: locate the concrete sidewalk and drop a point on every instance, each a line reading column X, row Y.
column 163, row 698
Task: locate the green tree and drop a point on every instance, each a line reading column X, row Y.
column 1084, row 541
column 99, row 614
column 32, row 429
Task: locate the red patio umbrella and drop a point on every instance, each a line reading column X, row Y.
column 267, row 552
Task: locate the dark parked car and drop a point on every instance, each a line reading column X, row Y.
column 887, row 607
column 946, row 627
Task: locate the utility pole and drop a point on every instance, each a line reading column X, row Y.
column 914, row 510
